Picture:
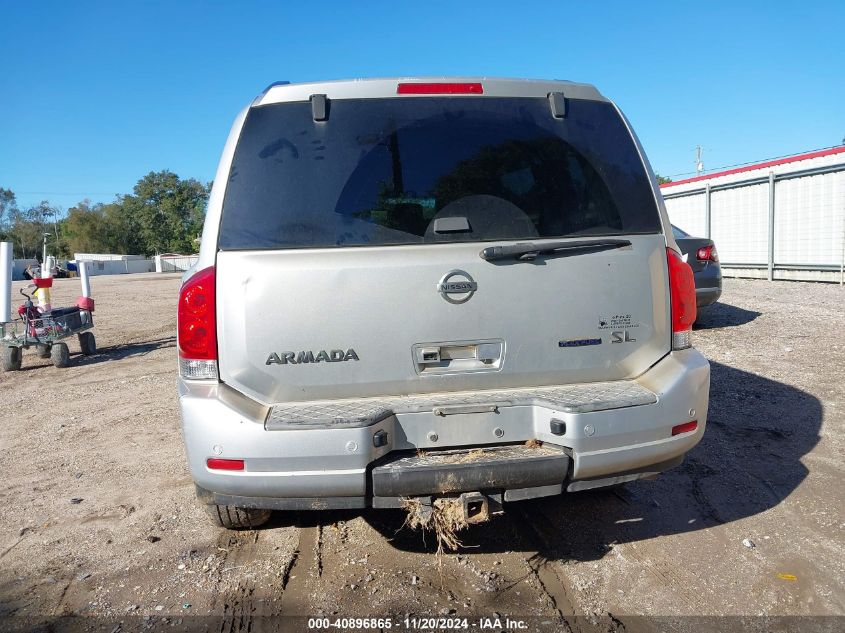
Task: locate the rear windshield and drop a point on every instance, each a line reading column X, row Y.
column 420, row 170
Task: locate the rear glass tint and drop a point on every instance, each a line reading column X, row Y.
column 421, row 170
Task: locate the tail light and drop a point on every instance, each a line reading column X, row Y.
column 707, row 254
column 197, row 327
column 682, row 296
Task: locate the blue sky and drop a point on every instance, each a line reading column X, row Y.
column 97, row 94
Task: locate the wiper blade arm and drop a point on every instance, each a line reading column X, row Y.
column 528, row 251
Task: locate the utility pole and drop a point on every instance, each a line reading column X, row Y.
column 44, row 252
column 699, row 164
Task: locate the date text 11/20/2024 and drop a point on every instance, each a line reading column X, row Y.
column 422, row 623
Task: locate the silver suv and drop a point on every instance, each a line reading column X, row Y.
column 423, row 288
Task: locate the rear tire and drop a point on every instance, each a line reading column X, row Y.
column 234, row 518
column 87, row 343
column 42, row 351
column 60, row 355
column 11, row 358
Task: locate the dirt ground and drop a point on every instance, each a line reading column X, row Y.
column 751, row 524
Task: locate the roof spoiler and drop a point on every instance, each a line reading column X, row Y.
column 267, row 89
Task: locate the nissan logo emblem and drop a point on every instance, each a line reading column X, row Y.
column 457, row 286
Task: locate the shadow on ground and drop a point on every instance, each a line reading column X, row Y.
column 748, row 462
column 130, row 350
column 718, row 315
column 113, row 352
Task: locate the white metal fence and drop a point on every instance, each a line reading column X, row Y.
column 788, row 223
column 174, row 263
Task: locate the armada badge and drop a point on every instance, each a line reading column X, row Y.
column 294, row 358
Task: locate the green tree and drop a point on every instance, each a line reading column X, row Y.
column 46, row 217
column 662, row 180
column 26, row 228
column 102, row 228
column 84, row 229
column 8, row 204
column 163, row 214
column 122, row 229
column 169, row 211
column 26, row 235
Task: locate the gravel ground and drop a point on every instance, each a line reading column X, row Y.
column 750, row 524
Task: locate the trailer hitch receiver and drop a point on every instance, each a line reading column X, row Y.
column 478, row 508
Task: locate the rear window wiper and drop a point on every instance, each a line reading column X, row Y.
column 528, row 251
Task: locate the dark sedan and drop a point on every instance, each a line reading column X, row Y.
column 704, row 260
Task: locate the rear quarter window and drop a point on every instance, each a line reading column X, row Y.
column 410, row 170
column 678, row 233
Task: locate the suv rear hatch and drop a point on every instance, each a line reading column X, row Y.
column 365, row 248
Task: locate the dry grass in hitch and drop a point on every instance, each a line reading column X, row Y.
column 445, row 520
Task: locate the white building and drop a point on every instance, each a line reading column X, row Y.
column 779, row 219
column 19, row 266
column 105, row 257
column 111, row 264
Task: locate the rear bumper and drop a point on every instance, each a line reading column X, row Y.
column 343, row 467
column 707, row 296
column 468, row 470
column 708, row 285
